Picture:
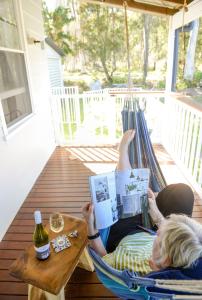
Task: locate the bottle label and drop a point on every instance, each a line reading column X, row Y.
column 43, row 252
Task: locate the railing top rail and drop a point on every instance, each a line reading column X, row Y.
column 193, row 107
column 129, row 92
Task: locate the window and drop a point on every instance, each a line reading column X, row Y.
column 15, row 100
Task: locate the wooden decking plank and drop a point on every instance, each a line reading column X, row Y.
column 58, row 199
column 54, row 204
column 50, row 210
column 58, row 194
column 92, row 153
column 4, row 265
column 79, row 154
column 7, row 288
column 77, row 189
column 14, row 245
column 20, row 229
column 24, row 237
column 94, row 290
column 10, row 254
column 83, row 276
column 13, row 297
column 30, row 216
column 5, row 276
column 62, row 186
column 21, row 222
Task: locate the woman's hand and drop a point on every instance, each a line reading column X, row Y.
column 96, row 244
column 154, row 212
column 88, row 213
column 151, row 195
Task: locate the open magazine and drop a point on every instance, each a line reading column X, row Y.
column 117, row 195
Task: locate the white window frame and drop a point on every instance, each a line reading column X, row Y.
column 8, row 131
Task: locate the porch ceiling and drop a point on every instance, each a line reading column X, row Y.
column 162, row 7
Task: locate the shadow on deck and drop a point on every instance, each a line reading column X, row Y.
column 63, row 186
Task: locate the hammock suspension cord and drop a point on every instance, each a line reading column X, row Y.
column 125, row 5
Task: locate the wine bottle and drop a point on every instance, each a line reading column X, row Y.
column 41, row 238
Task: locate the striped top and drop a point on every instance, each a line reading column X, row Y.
column 132, row 253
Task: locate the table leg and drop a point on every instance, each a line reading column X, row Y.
column 35, row 293
column 85, row 261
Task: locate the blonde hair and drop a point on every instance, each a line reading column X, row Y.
column 181, row 240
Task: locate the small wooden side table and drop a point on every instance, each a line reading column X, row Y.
column 48, row 278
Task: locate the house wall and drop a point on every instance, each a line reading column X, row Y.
column 54, row 67
column 27, row 149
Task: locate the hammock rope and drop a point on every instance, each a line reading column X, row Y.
column 125, row 5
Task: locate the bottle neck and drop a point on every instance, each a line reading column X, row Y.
column 39, row 226
column 37, row 217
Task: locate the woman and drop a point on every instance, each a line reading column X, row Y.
column 175, row 252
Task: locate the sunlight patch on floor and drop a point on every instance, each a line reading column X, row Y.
column 98, row 168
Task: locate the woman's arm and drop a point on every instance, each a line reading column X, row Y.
column 96, row 244
column 154, row 212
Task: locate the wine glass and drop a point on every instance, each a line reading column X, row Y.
column 56, row 222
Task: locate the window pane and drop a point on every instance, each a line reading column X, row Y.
column 12, row 71
column 8, row 27
column 16, row 108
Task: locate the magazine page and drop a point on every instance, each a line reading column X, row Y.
column 131, row 187
column 103, row 194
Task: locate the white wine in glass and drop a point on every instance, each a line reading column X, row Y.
column 56, row 222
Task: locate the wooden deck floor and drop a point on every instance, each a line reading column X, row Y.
column 63, row 186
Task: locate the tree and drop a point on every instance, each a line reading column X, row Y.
column 146, row 31
column 56, row 26
column 103, row 36
column 191, row 50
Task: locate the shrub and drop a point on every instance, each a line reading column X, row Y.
column 83, row 86
column 197, row 77
column 161, row 84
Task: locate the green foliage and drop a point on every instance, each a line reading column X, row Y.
column 102, row 37
column 120, row 79
column 161, row 84
column 55, row 24
column 181, row 85
column 80, row 83
column 197, row 76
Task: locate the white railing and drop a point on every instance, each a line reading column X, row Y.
column 113, row 91
column 95, row 117
column 70, row 90
column 182, row 137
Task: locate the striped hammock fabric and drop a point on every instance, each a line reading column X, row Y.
column 125, row 284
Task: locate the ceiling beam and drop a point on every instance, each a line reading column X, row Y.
column 132, row 5
column 177, row 2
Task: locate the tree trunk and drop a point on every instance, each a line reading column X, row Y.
column 146, row 28
column 109, row 78
column 113, row 53
column 191, row 49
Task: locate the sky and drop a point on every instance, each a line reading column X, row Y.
column 51, row 4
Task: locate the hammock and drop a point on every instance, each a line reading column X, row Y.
column 141, row 152
column 125, row 284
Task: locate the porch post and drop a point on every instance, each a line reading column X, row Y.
column 170, row 56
